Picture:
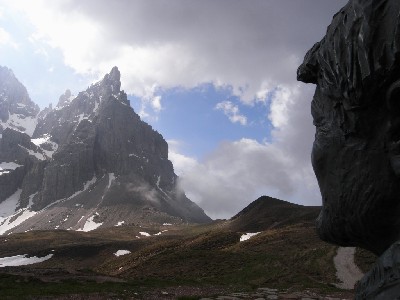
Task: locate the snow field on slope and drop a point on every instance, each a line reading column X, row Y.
column 8, row 210
column 6, row 167
column 15, row 121
column 8, row 206
column 248, row 236
column 45, row 139
column 22, row 260
column 38, row 155
column 90, row 224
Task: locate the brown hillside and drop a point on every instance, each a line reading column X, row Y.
column 267, row 213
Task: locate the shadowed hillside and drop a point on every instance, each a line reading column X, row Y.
column 267, row 213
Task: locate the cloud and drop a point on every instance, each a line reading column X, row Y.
column 232, row 112
column 6, row 39
column 236, row 173
column 144, row 190
column 181, row 162
column 252, row 47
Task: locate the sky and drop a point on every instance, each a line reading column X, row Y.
column 217, row 78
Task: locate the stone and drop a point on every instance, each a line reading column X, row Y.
column 356, row 152
column 267, row 290
column 289, row 296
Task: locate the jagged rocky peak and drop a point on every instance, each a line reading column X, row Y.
column 114, row 78
column 92, row 162
column 17, row 110
column 109, row 86
column 65, row 98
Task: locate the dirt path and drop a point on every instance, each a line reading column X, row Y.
column 346, row 270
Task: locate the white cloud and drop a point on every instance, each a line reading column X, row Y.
column 252, row 47
column 232, row 112
column 236, row 173
column 156, row 103
column 6, row 39
column 281, row 100
column 182, row 163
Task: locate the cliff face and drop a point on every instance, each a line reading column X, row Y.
column 92, row 161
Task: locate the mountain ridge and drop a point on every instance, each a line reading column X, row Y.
column 90, row 162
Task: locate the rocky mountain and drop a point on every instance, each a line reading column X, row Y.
column 17, row 110
column 90, row 162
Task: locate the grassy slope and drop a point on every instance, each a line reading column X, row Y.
column 289, row 255
column 202, row 256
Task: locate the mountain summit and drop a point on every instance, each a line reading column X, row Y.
column 91, row 162
column 17, row 110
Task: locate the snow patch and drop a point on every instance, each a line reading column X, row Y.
column 22, row 260
column 18, row 218
column 30, row 203
column 346, row 270
column 145, row 233
column 9, row 165
column 89, row 183
column 20, row 123
column 8, row 212
column 122, row 252
column 161, row 232
column 167, row 224
column 8, row 206
column 81, row 117
column 247, row 236
column 86, row 186
column 111, row 178
column 120, row 223
column 90, row 224
column 6, row 167
column 44, row 139
column 38, row 155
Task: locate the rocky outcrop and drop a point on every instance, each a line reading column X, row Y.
column 92, row 160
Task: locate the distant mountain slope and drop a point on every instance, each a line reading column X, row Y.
column 91, row 162
column 266, row 213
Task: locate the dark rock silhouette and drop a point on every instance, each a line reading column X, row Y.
column 356, row 153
